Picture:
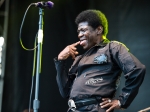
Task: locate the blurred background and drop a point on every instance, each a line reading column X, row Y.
column 129, row 23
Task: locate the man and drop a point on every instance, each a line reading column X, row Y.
column 91, row 82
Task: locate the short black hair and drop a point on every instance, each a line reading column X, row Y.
column 94, row 18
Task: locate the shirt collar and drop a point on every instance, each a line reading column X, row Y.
column 103, row 43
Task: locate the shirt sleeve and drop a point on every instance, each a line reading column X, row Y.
column 62, row 78
column 134, row 72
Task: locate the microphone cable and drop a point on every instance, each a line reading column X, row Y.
column 21, row 31
column 34, row 58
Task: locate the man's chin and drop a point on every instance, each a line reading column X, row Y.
column 85, row 47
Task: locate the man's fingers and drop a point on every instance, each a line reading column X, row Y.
column 70, row 50
column 73, row 53
column 105, row 101
column 110, row 104
column 77, row 43
column 105, row 105
column 73, row 47
column 110, row 108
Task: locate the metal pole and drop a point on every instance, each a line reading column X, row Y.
column 6, row 13
column 36, row 102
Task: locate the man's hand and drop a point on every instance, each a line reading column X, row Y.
column 110, row 104
column 70, row 50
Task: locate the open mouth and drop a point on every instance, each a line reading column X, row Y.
column 83, row 42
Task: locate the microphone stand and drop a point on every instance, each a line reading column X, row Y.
column 36, row 102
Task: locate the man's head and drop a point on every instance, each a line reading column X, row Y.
column 92, row 28
column 94, row 18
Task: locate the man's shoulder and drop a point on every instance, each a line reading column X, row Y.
column 115, row 44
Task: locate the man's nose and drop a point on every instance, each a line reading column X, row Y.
column 80, row 34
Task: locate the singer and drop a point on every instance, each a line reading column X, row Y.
column 92, row 81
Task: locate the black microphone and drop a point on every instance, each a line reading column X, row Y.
column 43, row 4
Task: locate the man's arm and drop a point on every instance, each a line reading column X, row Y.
column 63, row 80
column 134, row 73
column 62, row 77
column 134, row 79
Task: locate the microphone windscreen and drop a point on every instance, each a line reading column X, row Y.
column 49, row 4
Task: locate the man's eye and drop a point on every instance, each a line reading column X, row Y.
column 82, row 31
column 85, row 30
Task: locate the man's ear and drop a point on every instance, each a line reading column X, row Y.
column 99, row 30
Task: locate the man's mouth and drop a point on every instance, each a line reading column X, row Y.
column 83, row 42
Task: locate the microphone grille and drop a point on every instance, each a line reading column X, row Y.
column 49, row 4
column 42, row 4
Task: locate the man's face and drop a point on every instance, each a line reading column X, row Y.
column 87, row 35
